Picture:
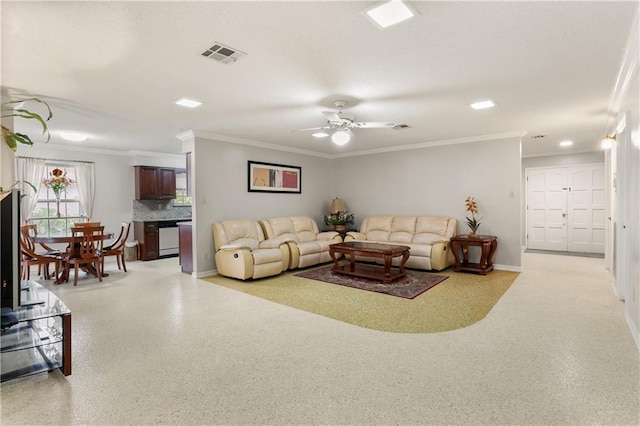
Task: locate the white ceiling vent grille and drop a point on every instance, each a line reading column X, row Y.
column 224, row 54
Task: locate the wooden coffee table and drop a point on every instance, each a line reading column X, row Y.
column 371, row 250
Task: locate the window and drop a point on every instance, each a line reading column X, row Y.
column 182, row 196
column 55, row 217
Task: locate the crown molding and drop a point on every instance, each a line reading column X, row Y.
column 482, row 138
column 257, row 144
column 471, row 139
column 626, row 73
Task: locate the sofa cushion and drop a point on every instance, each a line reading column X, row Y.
column 402, row 229
column 427, row 238
column 432, row 224
column 378, row 228
column 240, row 229
column 305, row 228
column 262, row 256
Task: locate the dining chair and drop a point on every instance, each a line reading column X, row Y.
column 87, row 224
column 32, row 257
column 117, row 247
column 86, row 250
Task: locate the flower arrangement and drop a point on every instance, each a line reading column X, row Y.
column 472, row 207
column 57, row 182
column 339, row 218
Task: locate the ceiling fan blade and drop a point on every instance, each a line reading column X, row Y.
column 375, row 124
column 312, row 128
column 332, row 116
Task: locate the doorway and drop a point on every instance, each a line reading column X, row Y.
column 566, row 208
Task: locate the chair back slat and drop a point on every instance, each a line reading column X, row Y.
column 86, row 241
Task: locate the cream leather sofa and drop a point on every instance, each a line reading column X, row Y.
column 307, row 245
column 243, row 252
column 427, row 236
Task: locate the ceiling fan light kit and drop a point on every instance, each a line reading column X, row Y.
column 340, row 137
column 341, row 124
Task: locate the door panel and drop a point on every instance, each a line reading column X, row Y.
column 587, row 209
column 566, row 208
column 547, row 209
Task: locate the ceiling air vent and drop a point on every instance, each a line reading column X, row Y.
column 537, row 137
column 401, row 126
column 224, row 54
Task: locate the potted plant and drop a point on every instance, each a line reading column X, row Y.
column 472, row 222
column 339, row 220
column 15, row 108
column 11, row 138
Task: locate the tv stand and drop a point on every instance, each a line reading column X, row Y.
column 41, row 339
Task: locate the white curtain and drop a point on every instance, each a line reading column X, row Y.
column 30, row 170
column 86, row 182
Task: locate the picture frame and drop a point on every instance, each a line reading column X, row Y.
column 276, row 178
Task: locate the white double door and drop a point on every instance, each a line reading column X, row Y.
column 566, row 208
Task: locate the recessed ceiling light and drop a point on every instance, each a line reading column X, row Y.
column 320, row 135
column 188, row 103
column 483, row 104
column 566, row 143
column 73, row 136
column 387, row 13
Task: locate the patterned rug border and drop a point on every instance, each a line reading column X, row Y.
column 408, row 287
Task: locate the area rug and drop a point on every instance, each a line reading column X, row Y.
column 410, row 286
column 460, row 301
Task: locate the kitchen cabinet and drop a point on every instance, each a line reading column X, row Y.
column 155, row 183
column 186, row 250
column 148, row 236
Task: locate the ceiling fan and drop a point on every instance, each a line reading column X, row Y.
column 341, row 123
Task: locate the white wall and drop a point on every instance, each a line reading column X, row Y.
column 220, row 192
column 436, row 181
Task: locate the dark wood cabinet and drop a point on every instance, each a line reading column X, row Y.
column 186, row 251
column 148, row 236
column 155, row 183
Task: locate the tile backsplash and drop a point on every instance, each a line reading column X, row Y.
column 159, row 210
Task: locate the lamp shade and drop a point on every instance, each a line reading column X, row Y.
column 337, row 205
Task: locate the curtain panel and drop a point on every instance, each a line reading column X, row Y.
column 30, row 170
column 86, row 181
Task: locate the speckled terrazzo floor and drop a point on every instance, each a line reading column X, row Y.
column 154, row 346
column 459, row 301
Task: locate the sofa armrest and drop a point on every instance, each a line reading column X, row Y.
column 327, row 235
column 273, row 243
column 353, row 235
column 231, row 247
column 441, row 255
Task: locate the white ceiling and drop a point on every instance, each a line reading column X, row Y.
column 114, row 70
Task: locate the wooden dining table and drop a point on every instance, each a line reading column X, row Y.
column 66, row 239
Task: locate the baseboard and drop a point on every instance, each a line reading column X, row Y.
column 632, row 328
column 508, row 268
column 204, row 274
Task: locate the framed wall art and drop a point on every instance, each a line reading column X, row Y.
column 268, row 177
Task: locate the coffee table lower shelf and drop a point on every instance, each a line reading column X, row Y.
column 367, row 270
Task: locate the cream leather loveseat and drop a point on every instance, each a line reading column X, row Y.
column 307, row 245
column 243, row 252
column 427, row 236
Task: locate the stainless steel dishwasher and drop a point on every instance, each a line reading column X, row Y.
column 168, row 240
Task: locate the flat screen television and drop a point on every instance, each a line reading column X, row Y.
column 10, row 249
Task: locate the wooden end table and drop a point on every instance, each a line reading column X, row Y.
column 487, row 243
column 375, row 272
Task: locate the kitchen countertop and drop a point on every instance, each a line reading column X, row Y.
column 159, row 219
